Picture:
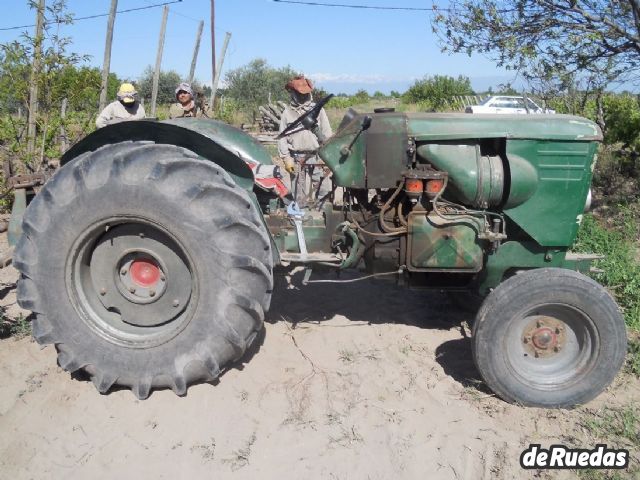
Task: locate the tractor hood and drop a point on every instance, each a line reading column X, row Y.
column 378, row 155
column 218, row 142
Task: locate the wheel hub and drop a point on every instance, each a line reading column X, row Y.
column 544, row 336
column 145, row 272
column 141, row 279
column 140, row 275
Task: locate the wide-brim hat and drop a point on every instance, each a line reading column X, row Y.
column 300, row 84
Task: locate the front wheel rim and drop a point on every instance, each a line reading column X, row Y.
column 551, row 347
column 131, row 281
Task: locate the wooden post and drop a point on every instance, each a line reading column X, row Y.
column 106, row 63
column 219, row 69
column 156, row 73
column 196, row 49
column 33, row 83
column 213, row 45
column 64, row 141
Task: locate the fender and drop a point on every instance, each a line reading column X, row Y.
column 215, row 141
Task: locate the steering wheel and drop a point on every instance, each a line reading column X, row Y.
column 307, row 120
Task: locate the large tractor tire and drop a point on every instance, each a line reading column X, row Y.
column 146, row 266
column 549, row 338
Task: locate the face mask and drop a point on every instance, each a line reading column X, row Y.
column 300, row 98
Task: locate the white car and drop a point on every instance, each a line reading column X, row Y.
column 506, row 104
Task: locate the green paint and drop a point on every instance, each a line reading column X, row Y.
column 225, row 146
column 552, row 214
column 436, row 244
column 513, row 256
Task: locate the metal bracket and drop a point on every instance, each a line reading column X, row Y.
column 297, row 215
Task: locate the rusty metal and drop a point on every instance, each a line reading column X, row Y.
column 27, row 181
column 544, row 336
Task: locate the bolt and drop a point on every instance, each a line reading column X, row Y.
column 152, row 293
column 132, row 289
column 176, row 303
column 556, row 349
column 123, row 271
column 536, row 354
column 141, row 235
column 527, row 339
column 539, row 323
column 103, row 291
column 558, row 330
column 162, row 279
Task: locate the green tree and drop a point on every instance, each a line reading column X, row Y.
column 622, row 118
column 361, row 96
column 167, row 83
column 253, row 84
column 597, row 39
column 437, row 90
column 61, row 76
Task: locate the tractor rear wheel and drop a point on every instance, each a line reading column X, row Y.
column 549, row 338
column 146, row 266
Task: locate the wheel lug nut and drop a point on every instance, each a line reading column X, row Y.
column 132, row 289
column 536, row 354
column 123, row 271
column 556, row 349
column 175, row 303
column 558, row 330
column 103, row 291
column 152, row 293
column 162, row 279
column 539, row 323
column 141, row 235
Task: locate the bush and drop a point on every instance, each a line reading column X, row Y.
column 434, row 92
column 253, row 84
column 622, row 118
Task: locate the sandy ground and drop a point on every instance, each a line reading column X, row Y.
column 361, row 381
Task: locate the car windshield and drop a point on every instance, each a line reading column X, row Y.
column 531, row 105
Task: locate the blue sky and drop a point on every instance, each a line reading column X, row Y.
column 343, row 49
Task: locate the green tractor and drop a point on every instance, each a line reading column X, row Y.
column 148, row 258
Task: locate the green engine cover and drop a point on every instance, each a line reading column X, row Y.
column 436, row 244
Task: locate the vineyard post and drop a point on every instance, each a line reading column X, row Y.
column 106, row 63
column 156, row 73
column 196, row 49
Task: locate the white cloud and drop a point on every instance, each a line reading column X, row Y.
column 355, row 78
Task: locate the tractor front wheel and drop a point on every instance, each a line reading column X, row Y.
column 549, row 338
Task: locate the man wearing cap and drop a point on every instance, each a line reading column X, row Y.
column 185, row 105
column 126, row 107
column 298, row 150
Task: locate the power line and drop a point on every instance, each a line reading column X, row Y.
column 368, row 7
column 94, row 16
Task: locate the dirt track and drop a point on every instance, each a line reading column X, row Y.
column 360, row 381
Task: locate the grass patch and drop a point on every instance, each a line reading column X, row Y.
column 621, row 273
column 621, row 425
column 618, row 428
column 633, row 359
column 17, row 328
column 621, row 269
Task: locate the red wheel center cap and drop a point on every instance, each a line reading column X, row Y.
column 145, row 273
